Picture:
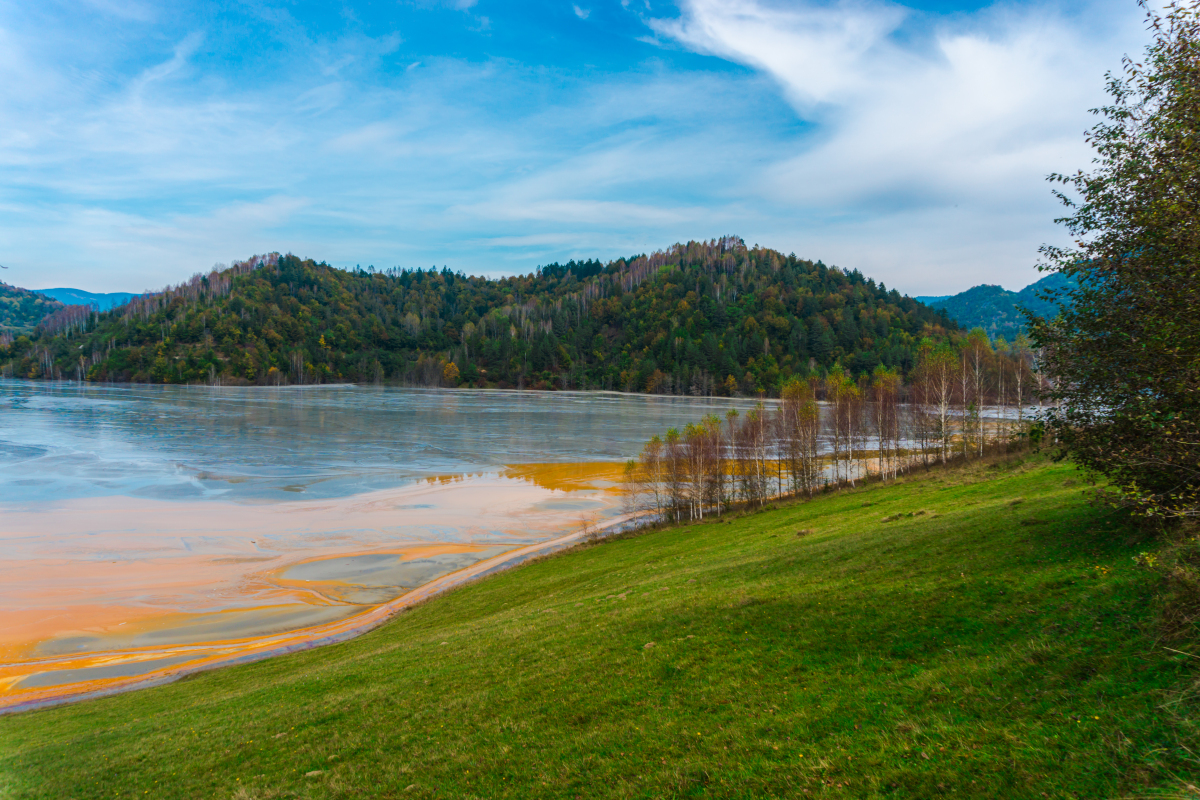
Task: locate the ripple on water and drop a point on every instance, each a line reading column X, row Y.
column 11, row 453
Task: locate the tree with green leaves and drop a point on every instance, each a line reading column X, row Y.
column 1124, row 355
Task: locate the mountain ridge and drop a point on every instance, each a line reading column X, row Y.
column 998, row 310
column 104, row 301
column 702, row 317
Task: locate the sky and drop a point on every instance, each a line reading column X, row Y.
column 143, row 141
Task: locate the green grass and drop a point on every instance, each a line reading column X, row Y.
column 974, row 650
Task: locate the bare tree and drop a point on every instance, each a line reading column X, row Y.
column 733, row 459
column 1003, row 356
column 674, row 473
column 835, row 397
column 650, row 464
column 752, row 450
column 885, row 414
column 921, row 411
column 696, row 457
column 1021, row 374
column 976, row 354
column 801, row 423
column 855, row 407
column 938, row 372
column 714, row 462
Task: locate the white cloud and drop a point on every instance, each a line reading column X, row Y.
column 865, row 134
column 580, row 12
column 162, row 71
column 909, row 113
column 92, row 243
column 819, row 53
column 580, row 211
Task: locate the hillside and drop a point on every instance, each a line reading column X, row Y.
column 21, row 310
column 997, row 310
column 995, row 645
column 78, row 297
column 698, row 318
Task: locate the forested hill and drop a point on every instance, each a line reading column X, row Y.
column 705, row 317
column 21, row 309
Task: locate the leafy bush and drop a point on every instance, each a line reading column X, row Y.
column 1125, row 351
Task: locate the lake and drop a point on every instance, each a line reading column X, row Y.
column 149, row 530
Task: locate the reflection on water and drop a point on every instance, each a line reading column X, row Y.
column 148, row 529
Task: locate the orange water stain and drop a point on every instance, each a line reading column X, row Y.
column 218, row 653
column 327, row 587
column 116, row 573
column 24, row 628
column 605, row 476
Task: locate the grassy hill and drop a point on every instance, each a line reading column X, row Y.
column 705, row 317
column 998, row 644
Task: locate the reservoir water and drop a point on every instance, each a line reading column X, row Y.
column 146, row 530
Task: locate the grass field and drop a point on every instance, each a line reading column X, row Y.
column 991, row 638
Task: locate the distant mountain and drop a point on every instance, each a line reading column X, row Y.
column 997, row 310
column 78, row 297
column 21, row 310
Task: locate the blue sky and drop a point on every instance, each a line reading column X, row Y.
column 144, row 141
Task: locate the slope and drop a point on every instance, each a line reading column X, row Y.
column 992, row 646
column 702, row 317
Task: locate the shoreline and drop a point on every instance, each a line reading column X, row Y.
column 1029, row 408
column 330, row 633
column 462, row 389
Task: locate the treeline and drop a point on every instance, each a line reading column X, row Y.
column 705, row 318
column 838, row 430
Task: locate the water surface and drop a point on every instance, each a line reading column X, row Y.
column 145, row 529
column 63, row 441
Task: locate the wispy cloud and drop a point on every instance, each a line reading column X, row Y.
column 818, row 52
column 869, row 135
column 916, row 118
column 170, row 67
